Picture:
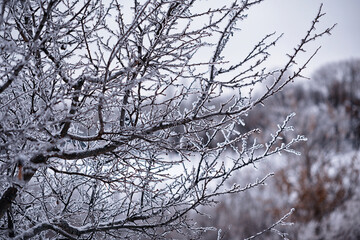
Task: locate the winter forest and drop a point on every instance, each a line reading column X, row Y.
column 133, row 120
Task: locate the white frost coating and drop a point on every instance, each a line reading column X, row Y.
column 122, row 123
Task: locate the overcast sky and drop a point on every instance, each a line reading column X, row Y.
column 293, row 18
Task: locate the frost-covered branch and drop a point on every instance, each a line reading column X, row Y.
column 272, row 227
column 122, row 117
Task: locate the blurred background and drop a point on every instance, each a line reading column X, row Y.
column 322, row 183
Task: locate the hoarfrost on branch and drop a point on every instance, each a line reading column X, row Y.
column 116, row 116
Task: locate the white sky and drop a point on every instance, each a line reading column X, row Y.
column 293, row 18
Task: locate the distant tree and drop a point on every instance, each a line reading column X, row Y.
column 341, row 81
column 328, row 176
column 103, row 109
